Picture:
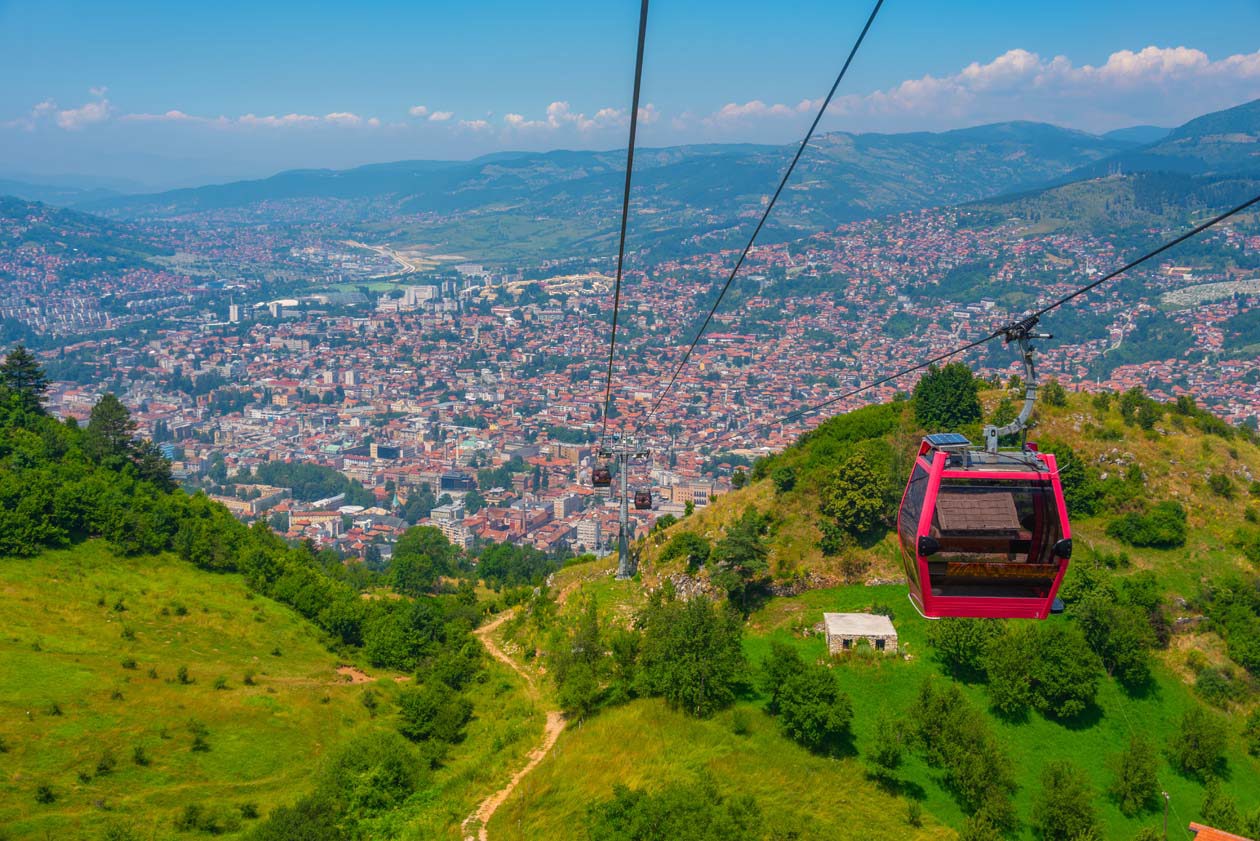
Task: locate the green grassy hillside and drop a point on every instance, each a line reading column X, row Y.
column 1182, row 455
column 1176, row 458
column 89, row 668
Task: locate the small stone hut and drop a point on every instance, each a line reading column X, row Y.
column 845, row 629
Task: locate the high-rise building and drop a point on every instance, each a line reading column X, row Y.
column 566, row 505
column 589, row 534
column 234, row 313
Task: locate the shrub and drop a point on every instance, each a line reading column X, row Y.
column 374, row 772
column 690, row 653
column 220, row 682
column 138, row 756
column 951, row 734
column 1120, row 634
column 1049, row 667
column 741, row 723
column 311, row 817
column 675, row 811
column 784, row 478
column 1219, row 810
column 181, row 675
column 1135, row 784
column 200, row 733
column 946, row 399
column 884, row 757
column 106, row 763
column 1251, row 732
column 248, row 810
column 961, row 644
column 1218, row 685
column 1053, row 394
column 44, row 793
column 1199, row 746
column 1221, row 485
column 1163, row 527
column 433, row 712
column 128, row 663
column 814, row 712
column 687, row 545
column 1063, row 810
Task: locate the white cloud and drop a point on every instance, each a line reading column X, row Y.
column 560, row 115
column 441, row 116
column 73, row 119
column 272, row 121
column 474, row 125
column 98, row 92
column 753, row 109
column 418, row 111
column 1164, row 85
column 343, row 118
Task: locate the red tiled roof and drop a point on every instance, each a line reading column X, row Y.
column 1207, row 833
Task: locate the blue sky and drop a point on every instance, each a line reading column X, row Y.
column 174, row 92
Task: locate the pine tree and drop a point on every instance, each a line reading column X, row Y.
column 23, row 376
column 111, row 432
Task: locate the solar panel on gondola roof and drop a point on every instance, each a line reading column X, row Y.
column 942, row 440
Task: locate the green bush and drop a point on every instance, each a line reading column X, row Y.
column 687, row 545
column 784, row 478
column 1251, row 732
column 1221, row 485
column 433, row 711
column 1047, row 666
column 1162, row 527
column 949, row 733
column 1063, row 810
column 1198, row 748
column 1135, row 782
column 690, row 653
column 676, row 811
column 961, row 644
column 813, row 711
column 946, row 399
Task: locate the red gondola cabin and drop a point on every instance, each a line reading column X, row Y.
column 983, row 534
column 642, row 500
column 601, row 477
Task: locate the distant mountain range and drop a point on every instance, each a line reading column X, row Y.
column 1221, row 143
column 60, row 195
column 520, row 205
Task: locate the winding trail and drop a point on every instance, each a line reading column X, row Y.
column 480, row 817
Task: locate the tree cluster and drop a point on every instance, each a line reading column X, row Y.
column 807, row 700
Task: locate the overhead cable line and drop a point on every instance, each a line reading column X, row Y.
column 625, row 211
column 1025, row 322
column 764, row 216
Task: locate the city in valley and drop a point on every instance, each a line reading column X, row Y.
column 469, row 396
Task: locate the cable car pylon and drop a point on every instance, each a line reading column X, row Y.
column 623, row 451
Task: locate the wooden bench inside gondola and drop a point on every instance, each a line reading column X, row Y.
column 967, row 524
